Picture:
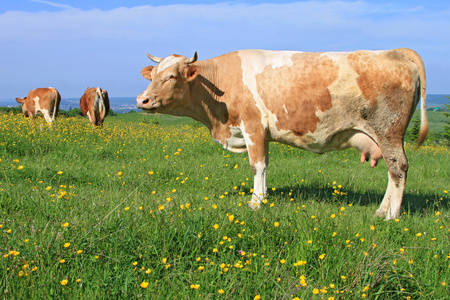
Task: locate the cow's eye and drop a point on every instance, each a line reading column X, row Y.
column 172, row 77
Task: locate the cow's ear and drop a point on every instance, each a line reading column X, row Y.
column 192, row 72
column 147, row 72
column 20, row 100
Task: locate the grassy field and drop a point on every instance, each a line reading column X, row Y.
column 151, row 208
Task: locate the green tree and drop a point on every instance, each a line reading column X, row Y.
column 412, row 134
column 14, row 109
column 446, row 133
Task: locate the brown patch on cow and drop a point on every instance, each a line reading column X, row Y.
column 222, row 100
column 97, row 113
column 241, row 109
column 48, row 99
column 294, row 94
column 388, row 83
column 382, row 75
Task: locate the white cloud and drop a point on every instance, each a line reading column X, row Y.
column 53, row 4
column 118, row 39
column 228, row 22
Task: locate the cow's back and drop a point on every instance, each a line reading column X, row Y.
column 306, row 99
column 87, row 100
column 44, row 101
column 94, row 104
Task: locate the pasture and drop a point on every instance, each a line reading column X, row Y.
column 155, row 211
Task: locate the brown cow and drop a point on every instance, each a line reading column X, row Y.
column 94, row 104
column 315, row 101
column 43, row 101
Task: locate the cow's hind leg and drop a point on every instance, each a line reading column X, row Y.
column 395, row 158
column 384, row 206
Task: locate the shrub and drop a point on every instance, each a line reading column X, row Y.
column 446, row 133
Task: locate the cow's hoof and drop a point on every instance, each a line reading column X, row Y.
column 254, row 205
column 380, row 213
column 390, row 216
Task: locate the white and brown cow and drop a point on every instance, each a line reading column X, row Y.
column 41, row 101
column 315, row 101
column 94, row 104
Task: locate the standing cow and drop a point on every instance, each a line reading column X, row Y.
column 43, row 101
column 315, row 101
column 94, row 104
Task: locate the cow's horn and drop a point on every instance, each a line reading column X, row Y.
column 191, row 60
column 155, row 59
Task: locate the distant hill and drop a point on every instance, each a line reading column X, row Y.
column 117, row 104
column 437, row 100
column 126, row 104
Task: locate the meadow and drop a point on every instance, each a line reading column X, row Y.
column 146, row 209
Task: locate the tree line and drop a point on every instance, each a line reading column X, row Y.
column 72, row 112
column 411, row 134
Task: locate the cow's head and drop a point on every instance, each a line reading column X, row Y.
column 169, row 87
column 23, row 101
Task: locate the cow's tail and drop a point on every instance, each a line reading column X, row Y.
column 99, row 106
column 417, row 60
column 57, row 100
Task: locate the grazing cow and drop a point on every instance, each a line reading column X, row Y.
column 94, row 104
column 43, row 101
column 315, row 101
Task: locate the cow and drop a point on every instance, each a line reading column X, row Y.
column 41, row 101
column 318, row 102
column 94, row 104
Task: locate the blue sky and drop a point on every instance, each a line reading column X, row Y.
column 72, row 44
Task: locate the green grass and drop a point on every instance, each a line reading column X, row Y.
column 158, row 202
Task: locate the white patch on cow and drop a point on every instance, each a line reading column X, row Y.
column 260, row 187
column 239, row 139
column 346, row 82
column 334, row 56
column 236, row 143
column 285, row 110
column 46, row 115
column 396, row 195
column 246, row 136
column 99, row 107
column 89, row 116
column 279, row 59
column 44, row 112
column 168, row 62
column 253, row 63
column 36, row 103
column 385, row 204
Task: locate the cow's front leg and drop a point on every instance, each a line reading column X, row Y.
column 259, row 159
column 259, row 187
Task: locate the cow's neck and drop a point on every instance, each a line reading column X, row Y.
column 208, row 105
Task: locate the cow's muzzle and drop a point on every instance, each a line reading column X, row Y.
column 147, row 103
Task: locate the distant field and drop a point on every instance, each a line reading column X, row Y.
column 144, row 209
column 436, row 119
